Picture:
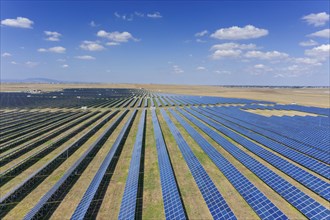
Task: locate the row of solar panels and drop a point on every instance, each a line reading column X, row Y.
column 315, row 184
column 10, row 173
column 305, row 204
column 13, row 197
column 173, row 204
column 12, row 140
column 305, row 136
column 309, row 109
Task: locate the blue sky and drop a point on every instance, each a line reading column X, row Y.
column 167, row 42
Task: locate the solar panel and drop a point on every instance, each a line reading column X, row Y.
column 152, row 104
column 140, row 102
column 312, row 182
column 300, row 137
column 173, row 205
column 129, row 201
column 289, row 192
column 159, row 104
column 47, row 201
column 18, row 168
column 275, row 143
column 253, row 196
column 85, row 202
column 216, row 203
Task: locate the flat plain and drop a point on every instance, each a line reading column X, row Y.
column 240, row 138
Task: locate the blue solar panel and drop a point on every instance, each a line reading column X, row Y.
column 289, row 192
column 145, row 102
column 216, row 203
column 38, row 208
column 133, row 102
column 173, row 206
column 273, row 141
column 303, row 137
column 159, row 104
column 85, row 202
column 128, row 204
column 168, row 101
column 151, row 102
column 163, row 100
column 140, row 102
column 312, row 182
column 255, row 198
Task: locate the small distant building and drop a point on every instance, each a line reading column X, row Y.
column 84, row 107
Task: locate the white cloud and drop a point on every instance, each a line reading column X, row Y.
column 296, row 70
column 85, row 57
column 93, row 24
column 154, row 15
column 201, row 34
column 201, row 68
column 177, row 69
column 229, row 46
column 52, row 35
column 259, row 69
column 325, row 33
column 259, row 66
column 31, row 64
column 239, row 33
column 57, row 49
column 116, row 36
column 308, row 43
column 136, row 14
column 65, row 66
column 200, row 40
column 124, row 16
column 222, row 72
column 316, row 20
column 292, row 67
column 321, row 52
column 13, row 62
column 91, row 46
column 262, row 67
column 218, row 54
column 307, row 61
column 270, row 55
column 18, row 22
column 5, row 54
column 112, row 44
column 139, row 14
column 117, row 15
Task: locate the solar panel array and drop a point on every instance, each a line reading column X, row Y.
column 291, row 135
column 253, row 196
column 314, row 183
column 129, row 201
column 278, row 166
column 305, row 204
column 217, row 205
column 173, row 205
column 84, row 204
column 267, row 138
column 46, row 204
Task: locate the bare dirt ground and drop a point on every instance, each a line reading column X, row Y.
column 319, row 97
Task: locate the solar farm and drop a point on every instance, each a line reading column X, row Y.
column 139, row 154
